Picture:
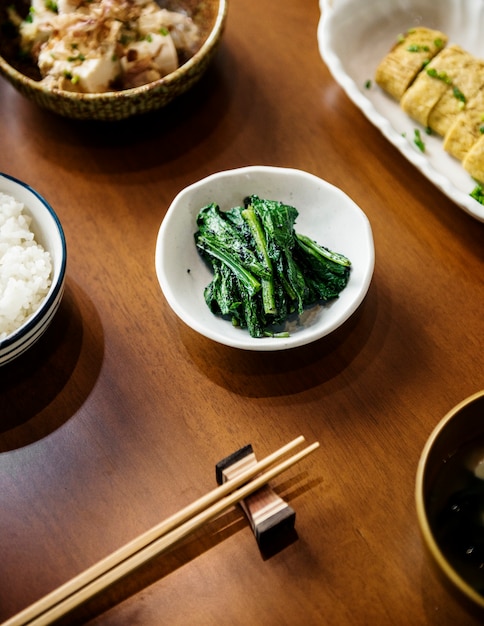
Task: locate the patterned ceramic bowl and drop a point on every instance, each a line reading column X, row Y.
column 48, row 232
column 209, row 15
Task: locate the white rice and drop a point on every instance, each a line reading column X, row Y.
column 25, row 267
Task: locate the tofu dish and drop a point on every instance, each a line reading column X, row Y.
column 441, row 87
column 94, row 46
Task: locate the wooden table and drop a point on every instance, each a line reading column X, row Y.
column 118, row 416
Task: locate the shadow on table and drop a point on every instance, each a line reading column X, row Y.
column 46, row 385
column 265, row 374
column 194, row 545
column 152, row 138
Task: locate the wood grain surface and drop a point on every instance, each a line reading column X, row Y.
column 115, row 420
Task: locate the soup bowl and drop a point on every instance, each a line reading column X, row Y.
column 450, row 498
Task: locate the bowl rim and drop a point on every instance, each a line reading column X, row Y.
column 55, row 289
column 163, row 82
column 425, row 527
column 246, row 342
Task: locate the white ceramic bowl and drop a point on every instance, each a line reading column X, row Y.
column 48, row 232
column 326, row 214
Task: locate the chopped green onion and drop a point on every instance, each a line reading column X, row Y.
column 415, row 47
column 79, row 57
column 458, row 94
column 51, row 6
column 30, row 15
column 431, row 71
column 418, row 141
column 478, row 194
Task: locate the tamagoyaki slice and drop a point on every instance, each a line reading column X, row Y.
column 411, row 52
column 454, row 100
column 466, row 127
column 432, row 82
column 474, row 160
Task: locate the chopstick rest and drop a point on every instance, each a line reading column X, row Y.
column 272, row 520
column 156, row 540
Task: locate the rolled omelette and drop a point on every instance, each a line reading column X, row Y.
column 433, row 81
column 455, row 99
column 474, row 160
column 466, row 128
column 411, row 52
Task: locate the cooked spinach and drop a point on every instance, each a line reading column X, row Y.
column 263, row 270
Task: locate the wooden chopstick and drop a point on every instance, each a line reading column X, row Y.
column 153, row 542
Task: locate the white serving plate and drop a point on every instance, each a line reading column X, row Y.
column 325, row 213
column 353, row 37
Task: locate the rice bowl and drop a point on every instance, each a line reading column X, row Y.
column 25, row 267
column 32, row 266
